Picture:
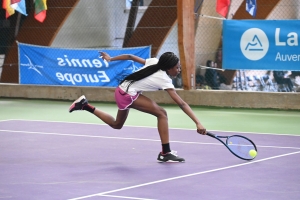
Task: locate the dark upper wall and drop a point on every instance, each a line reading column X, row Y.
column 34, row 32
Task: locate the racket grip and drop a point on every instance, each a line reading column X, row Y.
column 210, row 134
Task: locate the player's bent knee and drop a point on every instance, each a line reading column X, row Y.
column 118, row 127
column 163, row 112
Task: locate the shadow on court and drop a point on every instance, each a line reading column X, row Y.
column 56, row 160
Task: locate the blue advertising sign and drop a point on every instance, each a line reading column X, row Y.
column 78, row 67
column 261, row 44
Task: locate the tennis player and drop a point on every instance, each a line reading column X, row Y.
column 154, row 75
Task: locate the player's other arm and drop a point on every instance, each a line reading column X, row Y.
column 107, row 57
column 187, row 109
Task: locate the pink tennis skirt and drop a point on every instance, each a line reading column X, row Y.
column 123, row 99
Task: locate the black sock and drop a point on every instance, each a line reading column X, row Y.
column 89, row 108
column 166, row 148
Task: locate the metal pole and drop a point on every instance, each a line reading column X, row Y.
column 17, row 24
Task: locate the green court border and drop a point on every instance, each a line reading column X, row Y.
column 213, row 118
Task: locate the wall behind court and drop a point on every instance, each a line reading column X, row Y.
column 232, row 99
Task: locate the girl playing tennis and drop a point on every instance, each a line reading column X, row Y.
column 154, row 75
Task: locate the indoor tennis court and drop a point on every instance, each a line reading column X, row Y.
column 66, row 159
column 235, row 63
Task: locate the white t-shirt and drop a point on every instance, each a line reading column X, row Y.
column 157, row 81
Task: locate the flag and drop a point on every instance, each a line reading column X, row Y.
column 9, row 10
column 40, row 8
column 19, row 5
column 14, row 1
column 251, row 7
column 222, row 7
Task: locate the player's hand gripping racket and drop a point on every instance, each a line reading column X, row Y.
column 238, row 145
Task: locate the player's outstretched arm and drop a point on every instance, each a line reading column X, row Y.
column 187, row 109
column 107, row 57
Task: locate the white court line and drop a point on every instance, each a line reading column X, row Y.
column 137, row 139
column 184, row 176
column 5, row 120
column 123, row 197
column 155, row 127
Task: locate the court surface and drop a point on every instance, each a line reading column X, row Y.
column 63, row 160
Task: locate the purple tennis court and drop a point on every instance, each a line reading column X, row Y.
column 57, row 160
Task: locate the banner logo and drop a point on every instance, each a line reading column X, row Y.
column 254, row 44
column 32, row 66
column 133, row 68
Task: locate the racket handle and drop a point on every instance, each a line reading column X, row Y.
column 210, row 134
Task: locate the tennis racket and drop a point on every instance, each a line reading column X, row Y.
column 238, row 145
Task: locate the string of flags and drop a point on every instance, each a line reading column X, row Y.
column 40, row 8
column 222, row 7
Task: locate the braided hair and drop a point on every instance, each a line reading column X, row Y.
column 166, row 61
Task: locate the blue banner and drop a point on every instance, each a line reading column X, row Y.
column 77, row 67
column 261, row 44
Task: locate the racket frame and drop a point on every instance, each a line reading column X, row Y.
column 226, row 144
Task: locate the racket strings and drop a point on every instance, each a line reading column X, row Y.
column 240, row 146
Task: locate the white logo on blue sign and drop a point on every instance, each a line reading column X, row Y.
column 254, row 44
column 133, row 67
column 32, row 66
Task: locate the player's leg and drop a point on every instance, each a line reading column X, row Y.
column 110, row 120
column 82, row 104
column 147, row 105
